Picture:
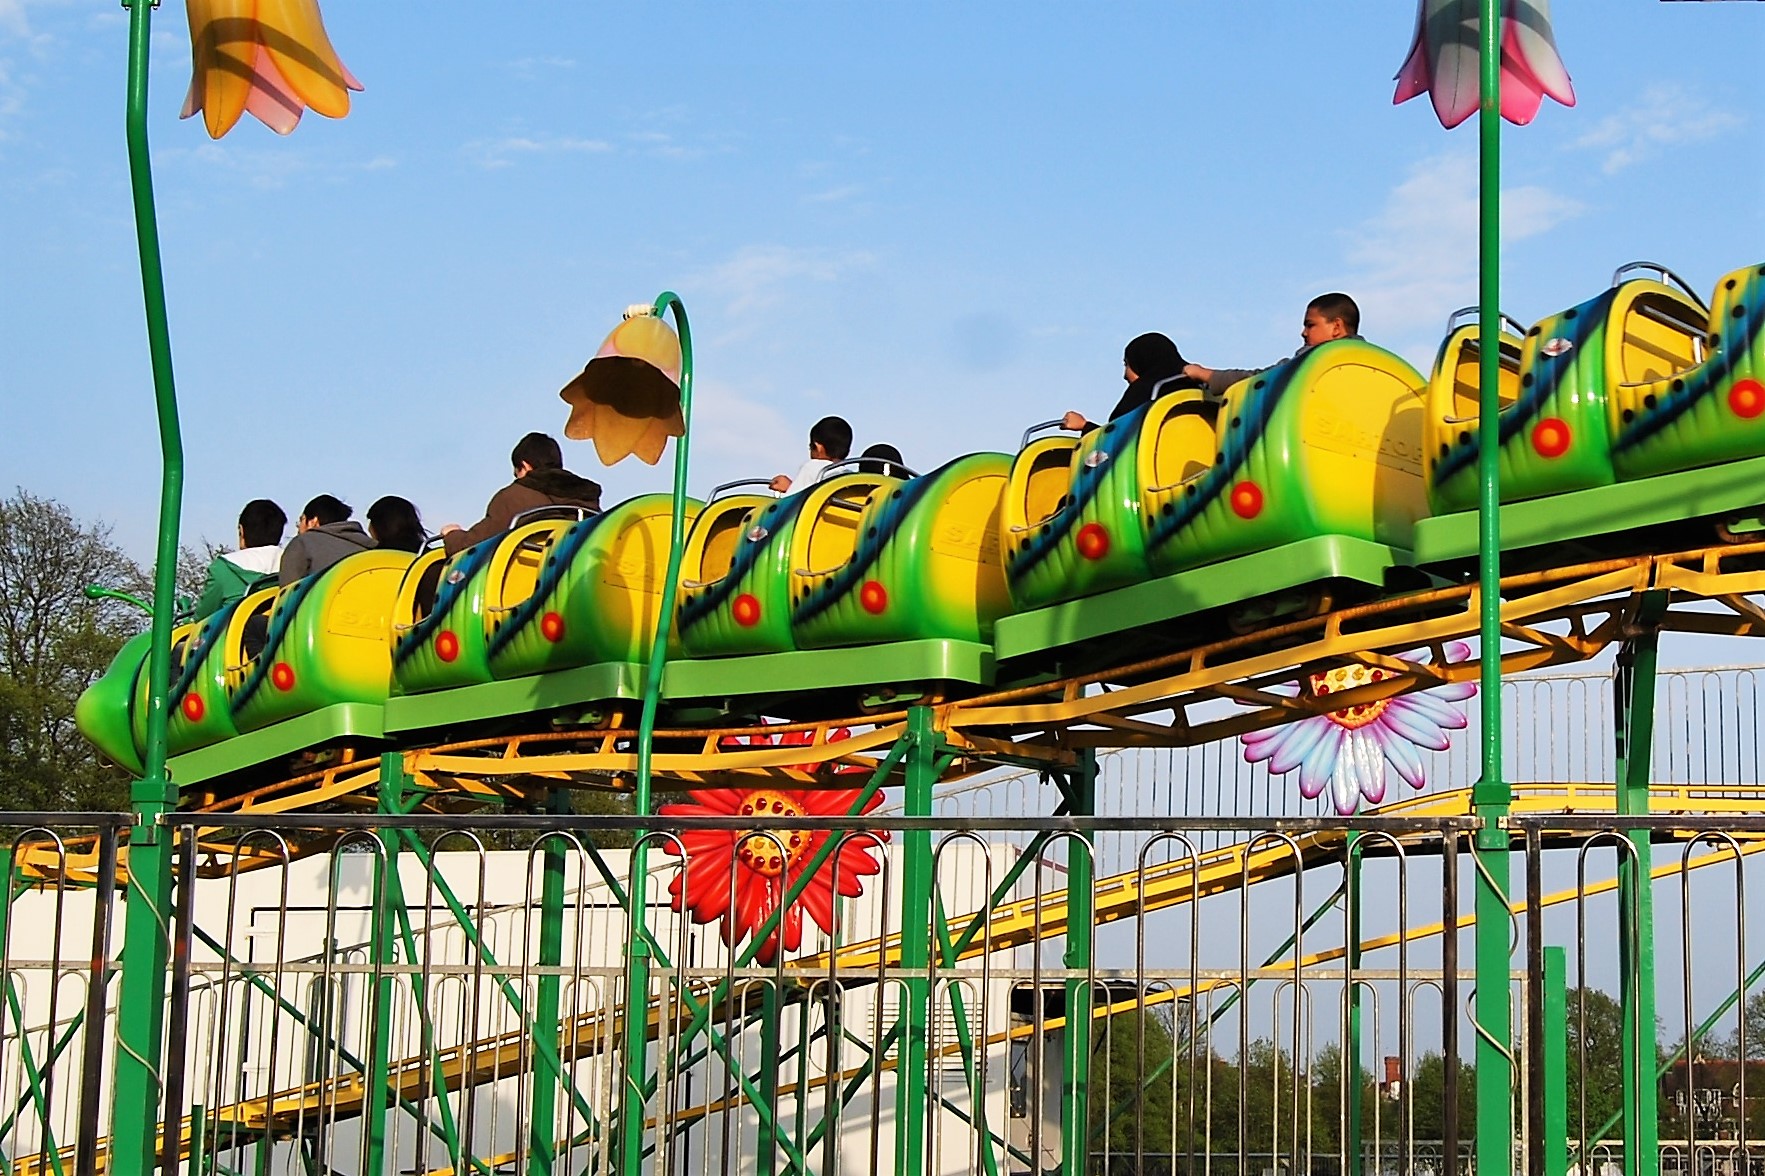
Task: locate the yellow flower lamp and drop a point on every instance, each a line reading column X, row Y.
column 627, row 400
column 270, row 58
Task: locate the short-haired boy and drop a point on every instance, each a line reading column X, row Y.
column 830, row 440
column 1327, row 317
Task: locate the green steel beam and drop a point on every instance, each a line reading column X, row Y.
column 359, row 721
column 463, row 918
column 34, row 1093
column 447, row 1130
column 915, row 921
column 383, row 952
column 1555, row 1078
column 1075, row 1094
column 635, row 1055
column 765, row 1081
column 1601, row 510
column 547, row 1030
column 977, row 1094
column 1674, row 1057
column 1492, row 1013
column 1309, row 561
column 146, row 939
column 1634, row 730
column 1353, row 1160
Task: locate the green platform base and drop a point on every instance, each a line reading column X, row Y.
column 802, row 671
column 1604, row 510
column 359, row 720
column 1309, row 561
column 605, row 682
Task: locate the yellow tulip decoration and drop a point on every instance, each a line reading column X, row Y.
column 270, row 58
column 627, row 400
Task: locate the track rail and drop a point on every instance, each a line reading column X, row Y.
column 1550, row 618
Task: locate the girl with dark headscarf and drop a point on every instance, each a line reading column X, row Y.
column 1152, row 366
column 395, row 525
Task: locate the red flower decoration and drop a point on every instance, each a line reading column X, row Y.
column 741, row 877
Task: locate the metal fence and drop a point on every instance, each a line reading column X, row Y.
column 1171, row 986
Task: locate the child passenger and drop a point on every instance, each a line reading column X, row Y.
column 1152, row 366
column 829, row 441
column 1327, row 317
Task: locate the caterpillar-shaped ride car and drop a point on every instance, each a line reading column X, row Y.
column 1342, row 470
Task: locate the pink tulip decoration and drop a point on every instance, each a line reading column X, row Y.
column 1442, row 60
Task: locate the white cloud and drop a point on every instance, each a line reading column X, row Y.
column 494, row 153
column 528, row 67
column 1665, row 116
column 270, row 168
column 834, row 195
column 731, row 426
column 12, row 18
column 1416, row 261
column 759, row 279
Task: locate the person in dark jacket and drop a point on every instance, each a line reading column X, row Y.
column 395, row 525
column 327, row 534
column 540, row 480
column 1152, row 366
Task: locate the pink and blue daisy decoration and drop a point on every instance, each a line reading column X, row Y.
column 1351, row 750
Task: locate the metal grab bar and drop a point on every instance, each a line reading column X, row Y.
column 1667, row 276
column 556, row 510
column 1463, row 312
column 1202, row 472
column 1065, row 501
column 1667, row 319
column 718, row 491
column 1045, row 426
column 857, row 461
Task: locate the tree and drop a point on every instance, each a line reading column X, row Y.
column 1428, row 1099
column 1753, row 1019
column 53, row 643
column 1135, row 1072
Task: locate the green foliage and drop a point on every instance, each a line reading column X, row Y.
column 1155, row 1094
column 1596, row 1061
column 53, row 643
column 1137, row 1077
column 1428, row 1098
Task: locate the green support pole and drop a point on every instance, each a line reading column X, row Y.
column 1555, row 1075
column 375, row 1101
column 916, row 935
column 1634, row 729
column 1492, row 1011
column 141, row 1002
column 766, row 1079
column 1353, row 1160
column 197, row 1164
column 1075, row 1093
column 542, row 1130
column 637, row 970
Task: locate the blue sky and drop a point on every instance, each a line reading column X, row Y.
column 941, row 221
